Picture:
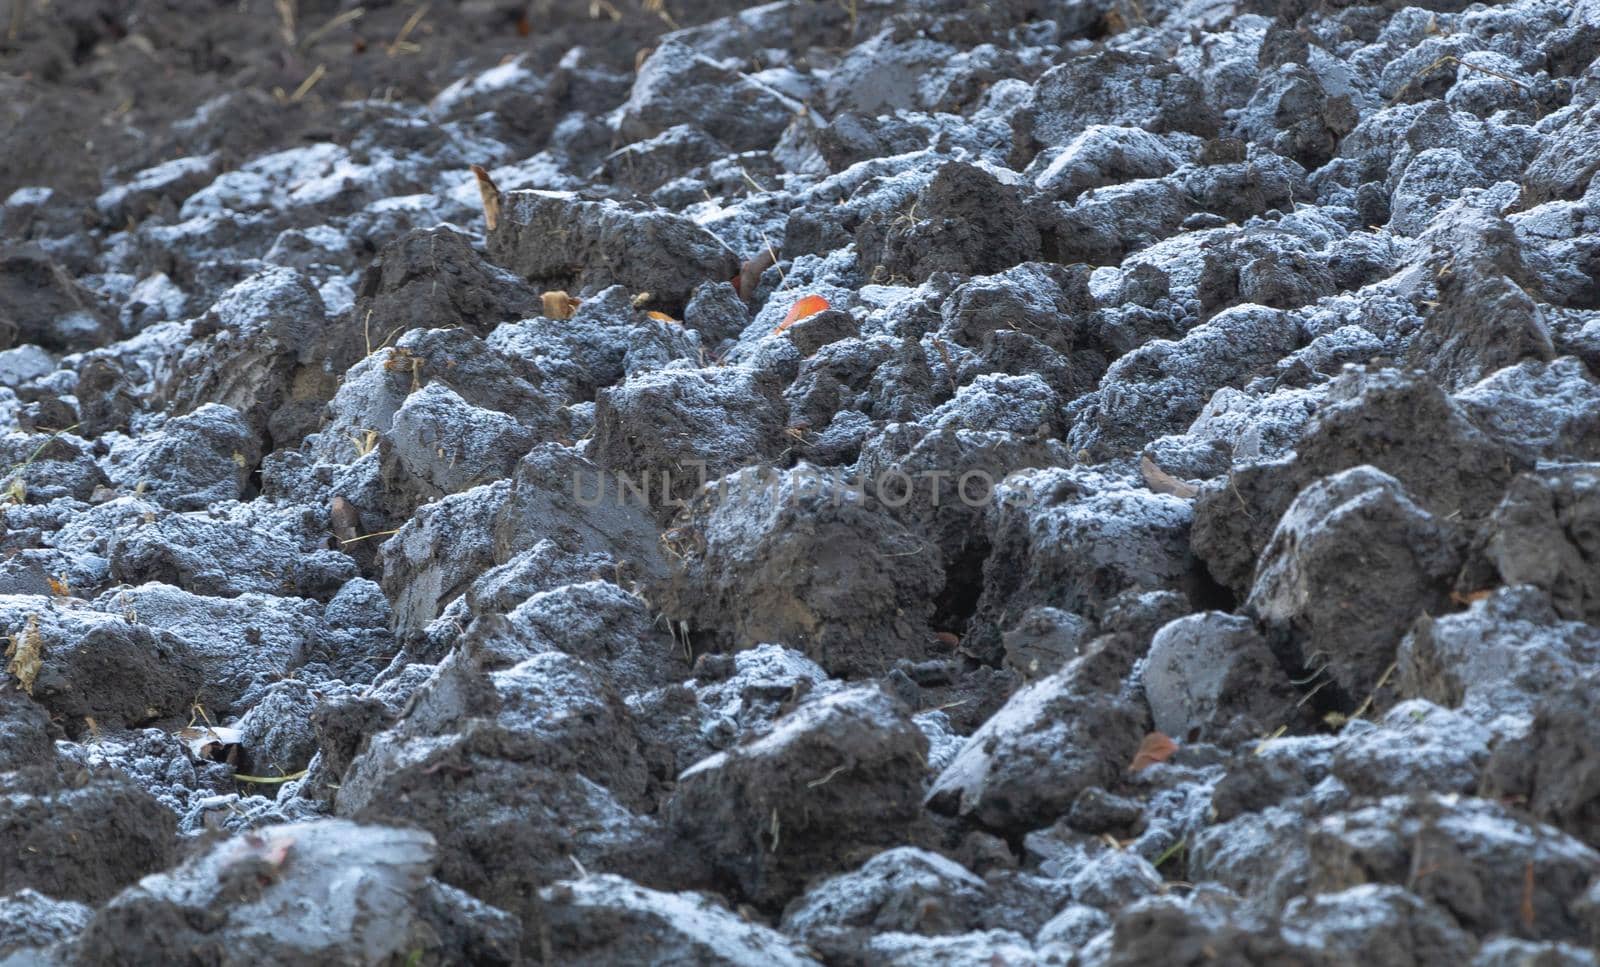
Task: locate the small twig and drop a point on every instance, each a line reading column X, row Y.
column 18, row 489
column 783, row 279
column 307, row 84
column 659, row 8
column 349, row 16
column 1375, row 690
column 825, row 779
column 1492, row 73
column 1451, row 59
column 40, row 448
column 1315, row 674
column 18, row 7
column 725, row 245
column 286, row 20
column 1171, row 851
column 363, row 537
column 1262, row 745
column 1307, row 696
column 270, row 780
column 750, row 181
column 450, row 767
column 399, row 44
column 1243, row 504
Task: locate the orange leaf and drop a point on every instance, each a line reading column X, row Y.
column 808, row 306
column 1156, row 747
column 660, row 316
column 1470, row 596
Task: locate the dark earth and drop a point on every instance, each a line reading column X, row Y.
column 1113, row 482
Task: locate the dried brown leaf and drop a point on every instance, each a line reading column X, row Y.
column 750, row 272
column 400, row 360
column 490, row 195
column 345, row 519
column 1156, row 747
column 558, row 305
column 26, row 652
column 1162, row 482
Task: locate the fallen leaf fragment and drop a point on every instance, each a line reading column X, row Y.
column 660, row 316
column 26, row 652
column 750, row 273
column 490, row 195
column 270, row 849
column 807, row 306
column 276, row 853
column 1470, row 596
column 204, row 740
column 400, row 360
column 558, row 305
column 1528, row 913
column 949, row 364
column 1162, row 482
column 1156, row 747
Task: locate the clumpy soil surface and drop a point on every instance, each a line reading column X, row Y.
column 870, row 482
